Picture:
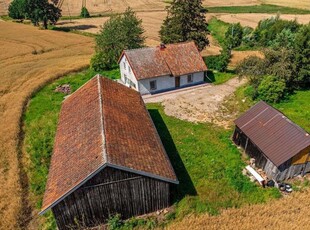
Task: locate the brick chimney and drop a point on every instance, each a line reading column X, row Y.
column 162, row 46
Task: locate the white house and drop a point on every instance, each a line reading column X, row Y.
column 155, row 69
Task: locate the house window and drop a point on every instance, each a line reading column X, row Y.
column 124, row 65
column 129, row 70
column 153, row 85
column 189, row 78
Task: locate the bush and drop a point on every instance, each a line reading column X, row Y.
column 218, row 62
column 234, row 35
column 84, row 13
column 115, row 222
column 271, row 89
column 99, row 62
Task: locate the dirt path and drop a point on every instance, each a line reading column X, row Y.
column 202, row 104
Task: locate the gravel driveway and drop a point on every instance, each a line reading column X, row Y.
column 200, row 104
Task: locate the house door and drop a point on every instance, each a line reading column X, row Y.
column 177, row 82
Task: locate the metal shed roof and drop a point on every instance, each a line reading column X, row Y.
column 273, row 133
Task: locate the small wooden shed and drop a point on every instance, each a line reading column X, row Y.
column 107, row 159
column 279, row 146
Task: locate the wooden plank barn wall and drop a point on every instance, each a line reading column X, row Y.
column 110, row 192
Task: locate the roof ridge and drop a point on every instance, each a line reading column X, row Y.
column 104, row 153
column 141, row 48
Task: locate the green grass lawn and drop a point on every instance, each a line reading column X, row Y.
column 264, row 8
column 207, row 165
column 218, row 78
column 297, row 108
column 218, row 29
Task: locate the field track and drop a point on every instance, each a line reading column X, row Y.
column 29, row 58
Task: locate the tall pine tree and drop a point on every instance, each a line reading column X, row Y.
column 185, row 22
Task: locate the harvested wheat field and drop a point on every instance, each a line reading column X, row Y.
column 287, row 213
column 252, row 20
column 29, row 58
column 303, row 4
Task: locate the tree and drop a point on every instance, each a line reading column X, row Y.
column 118, row 33
column 42, row 11
column 285, row 39
column 253, row 68
column 234, row 35
column 302, row 57
column 271, row 89
column 17, row 9
column 185, row 21
column 84, row 13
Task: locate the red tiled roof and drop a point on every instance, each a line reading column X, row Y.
column 103, row 124
column 175, row 60
column 274, row 134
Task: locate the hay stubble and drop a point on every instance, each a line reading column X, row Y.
column 28, row 59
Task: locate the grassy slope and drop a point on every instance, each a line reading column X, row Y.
column 218, row 29
column 264, row 8
column 40, row 122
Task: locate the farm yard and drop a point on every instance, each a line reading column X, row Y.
column 29, row 59
column 195, row 127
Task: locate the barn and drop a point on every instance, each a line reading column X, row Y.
column 107, row 158
column 280, row 147
column 156, row 69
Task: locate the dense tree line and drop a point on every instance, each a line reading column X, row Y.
column 286, row 66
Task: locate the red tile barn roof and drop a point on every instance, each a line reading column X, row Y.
column 175, row 60
column 103, row 124
column 274, row 134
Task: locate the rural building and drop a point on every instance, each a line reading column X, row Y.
column 156, row 69
column 107, row 159
column 279, row 146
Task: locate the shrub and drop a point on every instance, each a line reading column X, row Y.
column 100, row 62
column 84, row 13
column 218, row 62
column 234, row 35
column 271, row 89
column 115, row 222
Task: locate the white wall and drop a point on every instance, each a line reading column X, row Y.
column 167, row 83
column 197, row 78
column 162, row 83
column 129, row 74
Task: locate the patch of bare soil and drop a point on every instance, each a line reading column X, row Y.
column 201, row 104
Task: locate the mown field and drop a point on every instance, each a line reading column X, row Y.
column 29, row 58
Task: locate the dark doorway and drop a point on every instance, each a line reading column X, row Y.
column 177, row 82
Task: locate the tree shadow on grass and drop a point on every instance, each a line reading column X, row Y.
column 186, row 186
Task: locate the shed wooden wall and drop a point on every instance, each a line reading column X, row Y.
column 285, row 171
column 111, row 191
